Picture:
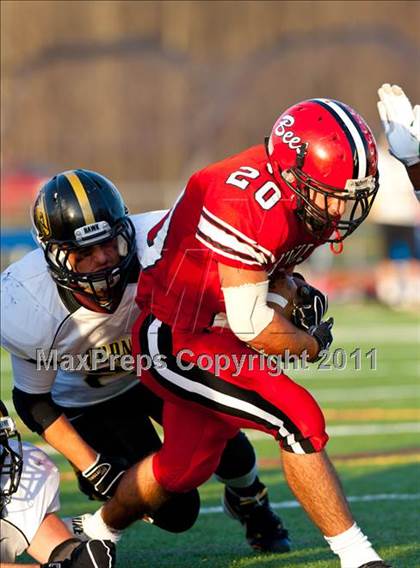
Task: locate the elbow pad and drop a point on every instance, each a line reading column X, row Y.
column 246, row 309
column 37, row 411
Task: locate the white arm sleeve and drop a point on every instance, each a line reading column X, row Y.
column 27, row 378
column 246, row 309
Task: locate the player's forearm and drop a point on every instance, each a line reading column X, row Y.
column 64, row 438
column 281, row 336
column 42, row 415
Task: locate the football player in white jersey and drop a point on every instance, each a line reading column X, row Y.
column 67, row 313
column 29, row 499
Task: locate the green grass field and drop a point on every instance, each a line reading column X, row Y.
column 373, row 418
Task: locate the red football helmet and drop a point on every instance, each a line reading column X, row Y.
column 323, row 149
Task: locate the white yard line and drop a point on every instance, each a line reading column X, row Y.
column 358, row 393
column 384, row 334
column 353, row 499
column 369, row 429
column 353, row 376
column 336, row 431
column 340, row 430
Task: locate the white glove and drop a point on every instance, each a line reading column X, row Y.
column 401, row 124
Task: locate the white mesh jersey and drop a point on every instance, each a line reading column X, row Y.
column 37, row 495
column 37, row 329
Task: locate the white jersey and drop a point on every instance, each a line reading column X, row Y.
column 37, row 495
column 42, row 333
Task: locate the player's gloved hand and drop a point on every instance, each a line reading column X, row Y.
column 310, row 308
column 401, row 124
column 99, row 481
column 90, row 554
column 93, row 554
column 298, row 276
column 322, row 333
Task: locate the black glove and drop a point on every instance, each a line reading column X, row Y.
column 311, row 307
column 93, row 554
column 323, row 335
column 299, row 276
column 89, row 554
column 100, row 480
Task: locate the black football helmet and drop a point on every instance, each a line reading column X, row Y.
column 81, row 208
column 11, row 460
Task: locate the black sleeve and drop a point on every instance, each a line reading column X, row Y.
column 37, row 411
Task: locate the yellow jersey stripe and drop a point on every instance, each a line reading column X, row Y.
column 82, row 197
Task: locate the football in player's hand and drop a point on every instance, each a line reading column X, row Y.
column 283, row 294
column 298, row 301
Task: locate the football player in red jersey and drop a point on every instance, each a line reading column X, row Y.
column 75, row 296
column 237, row 222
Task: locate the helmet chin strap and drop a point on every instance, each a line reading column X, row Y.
column 337, row 248
column 89, row 303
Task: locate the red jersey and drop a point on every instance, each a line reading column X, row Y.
column 231, row 212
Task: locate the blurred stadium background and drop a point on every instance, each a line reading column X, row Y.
column 147, row 92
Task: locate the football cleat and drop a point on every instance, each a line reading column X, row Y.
column 376, row 564
column 264, row 529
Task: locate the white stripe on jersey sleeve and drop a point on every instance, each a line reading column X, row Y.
column 241, row 235
column 220, row 237
column 226, row 254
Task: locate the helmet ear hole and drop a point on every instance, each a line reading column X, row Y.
column 122, row 246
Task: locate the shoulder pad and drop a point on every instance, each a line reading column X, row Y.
column 143, row 223
column 30, row 306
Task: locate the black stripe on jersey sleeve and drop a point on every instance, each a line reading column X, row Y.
column 226, row 249
column 228, row 231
